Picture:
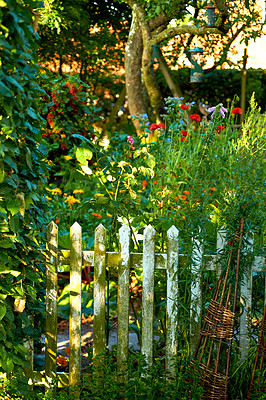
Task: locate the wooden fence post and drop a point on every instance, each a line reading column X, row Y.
column 172, row 292
column 123, row 303
column 245, row 301
column 196, row 295
column 99, row 294
column 51, row 304
column 75, row 304
column 148, row 294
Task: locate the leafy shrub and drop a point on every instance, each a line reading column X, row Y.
column 22, row 178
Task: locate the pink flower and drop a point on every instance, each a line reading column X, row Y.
column 130, row 140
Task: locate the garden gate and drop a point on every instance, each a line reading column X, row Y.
column 124, row 260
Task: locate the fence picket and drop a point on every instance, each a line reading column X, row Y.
column 75, row 304
column 246, row 300
column 99, row 293
column 123, row 302
column 124, row 260
column 172, row 292
column 51, row 303
column 196, row 295
column 148, row 293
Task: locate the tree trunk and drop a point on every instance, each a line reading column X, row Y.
column 133, row 57
column 174, row 88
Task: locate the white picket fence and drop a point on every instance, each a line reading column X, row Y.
column 123, row 261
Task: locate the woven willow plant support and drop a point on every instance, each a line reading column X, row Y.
column 260, row 358
column 217, row 332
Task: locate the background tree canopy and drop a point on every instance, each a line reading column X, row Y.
column 94, row 39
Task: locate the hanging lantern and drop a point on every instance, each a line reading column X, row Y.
column 155, row 53
column 210, row 14
column 196, row 61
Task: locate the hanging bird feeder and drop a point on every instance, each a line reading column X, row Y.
column 196, row 73
column 210, row 14
column 155, row 53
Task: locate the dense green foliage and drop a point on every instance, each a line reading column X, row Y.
column 213, row 89
column 22, row 178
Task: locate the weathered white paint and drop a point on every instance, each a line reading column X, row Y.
column 99, row 293
column 148, row 293
column 172, row 292
column 245, row 301
column 148, row 261
column 220, row 245
column 196, row 294
column 123, row 302
column 75, row 304
column 51, row 303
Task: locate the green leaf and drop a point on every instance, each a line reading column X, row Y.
column 151, row 162
column 31, row 113
column 2, row 310
column 7, row 365
column 83, row 154
column 13, row 206
column 4, row 91
column 14, row 223
column 7, row 244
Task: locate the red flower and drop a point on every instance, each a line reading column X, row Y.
column 237, row 110
column 144, row 184
column 195, row 117
column 152, row 127
column 161, row 126
column 220, row 128
column 184, row 106
column 184, row 133
column 63, row 146
column 183, row 139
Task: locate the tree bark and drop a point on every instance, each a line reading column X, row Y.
column 133, row 57
column 174, row 88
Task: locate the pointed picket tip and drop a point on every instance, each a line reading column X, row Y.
column 51, row 226
column 149, row 230
column 51, row 229
column 124, row 230
column 100, row 228
column 172, row 232
column 75, row 227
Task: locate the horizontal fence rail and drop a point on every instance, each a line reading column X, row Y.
column 124, row 261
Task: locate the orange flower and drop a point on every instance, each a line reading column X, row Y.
column 61, row 360
column 96, row 215
column 213, row 189
column 186, row 192
column 144, row 184
column 56, row 220
column 182, row 197
column 67, row 351
column 155, row 182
